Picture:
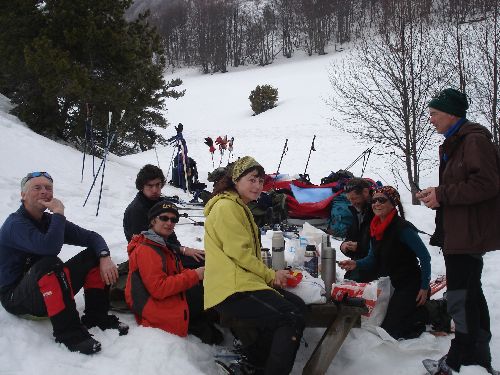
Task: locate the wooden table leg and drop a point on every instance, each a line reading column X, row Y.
column 330, row 343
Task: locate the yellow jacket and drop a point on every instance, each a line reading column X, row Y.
column 233, row 261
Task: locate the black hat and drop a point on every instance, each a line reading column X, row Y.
column 450, row 101
column 161, row 207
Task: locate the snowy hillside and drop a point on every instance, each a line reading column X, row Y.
column 213, row 105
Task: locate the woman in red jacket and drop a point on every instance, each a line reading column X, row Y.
column 159, row 291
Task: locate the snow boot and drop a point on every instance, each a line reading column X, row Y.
column 438, row 315
column 234, row 367
column 79, row 340
column 439, row 367
column 105, row 322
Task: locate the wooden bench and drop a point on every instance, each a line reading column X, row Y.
column 338, row 319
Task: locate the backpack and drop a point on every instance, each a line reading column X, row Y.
column 340, row 216
column 178, row 176
column 269, row 209
column 340, row 175
column 117, row 290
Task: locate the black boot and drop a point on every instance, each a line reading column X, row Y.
column 66, row 324
column 79, row 340
column 96, row 312
column 438, row 315
column 105, row 322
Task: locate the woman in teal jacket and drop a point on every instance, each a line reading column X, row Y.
column 238, row 284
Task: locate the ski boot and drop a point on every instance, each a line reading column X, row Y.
column 438, row 367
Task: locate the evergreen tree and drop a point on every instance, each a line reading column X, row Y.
column 85, row 54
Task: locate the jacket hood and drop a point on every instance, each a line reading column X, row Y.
column 225, row 195
column 472, row 127
column 145, row 236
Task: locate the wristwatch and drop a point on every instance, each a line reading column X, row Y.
column 104, row 254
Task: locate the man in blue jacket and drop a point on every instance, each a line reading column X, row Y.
column 35, row 282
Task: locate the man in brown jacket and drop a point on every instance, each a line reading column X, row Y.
column 468, row 204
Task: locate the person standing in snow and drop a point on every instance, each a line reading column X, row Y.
column 467, row 201
column 357, row 242
column 396, row 251
column 238, row 284
column 35, row 281
column 159, row 290
column 149, row 182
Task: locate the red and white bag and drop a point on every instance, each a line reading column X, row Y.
column 376, row 295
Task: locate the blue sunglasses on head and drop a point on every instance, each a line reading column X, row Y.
column 31, row 175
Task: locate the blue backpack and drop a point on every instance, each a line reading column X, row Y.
column 340, row 216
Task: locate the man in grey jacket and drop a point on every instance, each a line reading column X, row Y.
column 468, row 204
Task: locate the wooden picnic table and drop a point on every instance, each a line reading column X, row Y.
column 338, row 319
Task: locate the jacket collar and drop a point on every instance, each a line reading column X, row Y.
column 154, row 237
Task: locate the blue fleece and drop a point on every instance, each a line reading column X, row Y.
column 410, row 238
column 24, row 239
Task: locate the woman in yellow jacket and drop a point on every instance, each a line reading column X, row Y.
column 238, row 284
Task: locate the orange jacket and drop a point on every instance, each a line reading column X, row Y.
column 156, row 285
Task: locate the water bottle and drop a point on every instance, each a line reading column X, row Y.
column 266, row 257
column 278, row 250
column 328, row 273
column 325, row 241
column 311, row 260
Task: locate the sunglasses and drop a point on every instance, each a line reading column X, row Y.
column 31, row 175
column 166, row 219
column 380, row 200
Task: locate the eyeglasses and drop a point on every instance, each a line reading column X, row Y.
column 380, row 200
column 31, row 175
column 166, row 219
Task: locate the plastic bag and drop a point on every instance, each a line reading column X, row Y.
column 379, row 310
column 310, row 289
column 376, row 295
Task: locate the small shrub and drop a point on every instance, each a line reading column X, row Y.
column 263, row 98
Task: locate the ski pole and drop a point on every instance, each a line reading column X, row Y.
column 108, row 146
column 310, row 151
column 87, row 125
column 170, row 165
column 285, row 149
column 156, row 153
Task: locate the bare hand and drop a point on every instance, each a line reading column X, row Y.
column 200, row 271
column 54, row 205
column 281, row 277
column 347, row 265
column 422, row 296
column 109, row 272
column 196, row 254
column 349, row 246
column 428, row 197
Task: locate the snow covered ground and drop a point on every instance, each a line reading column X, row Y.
column 213, row 105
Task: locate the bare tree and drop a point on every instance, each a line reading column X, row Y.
column 487, row 72
column 381, row 92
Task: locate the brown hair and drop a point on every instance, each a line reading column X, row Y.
column 226, row 183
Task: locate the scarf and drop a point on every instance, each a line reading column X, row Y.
column 378, row 227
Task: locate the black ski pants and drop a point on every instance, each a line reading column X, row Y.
column 275, row 319
column 469, row 310
column 404, row 319
column 49, row 286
